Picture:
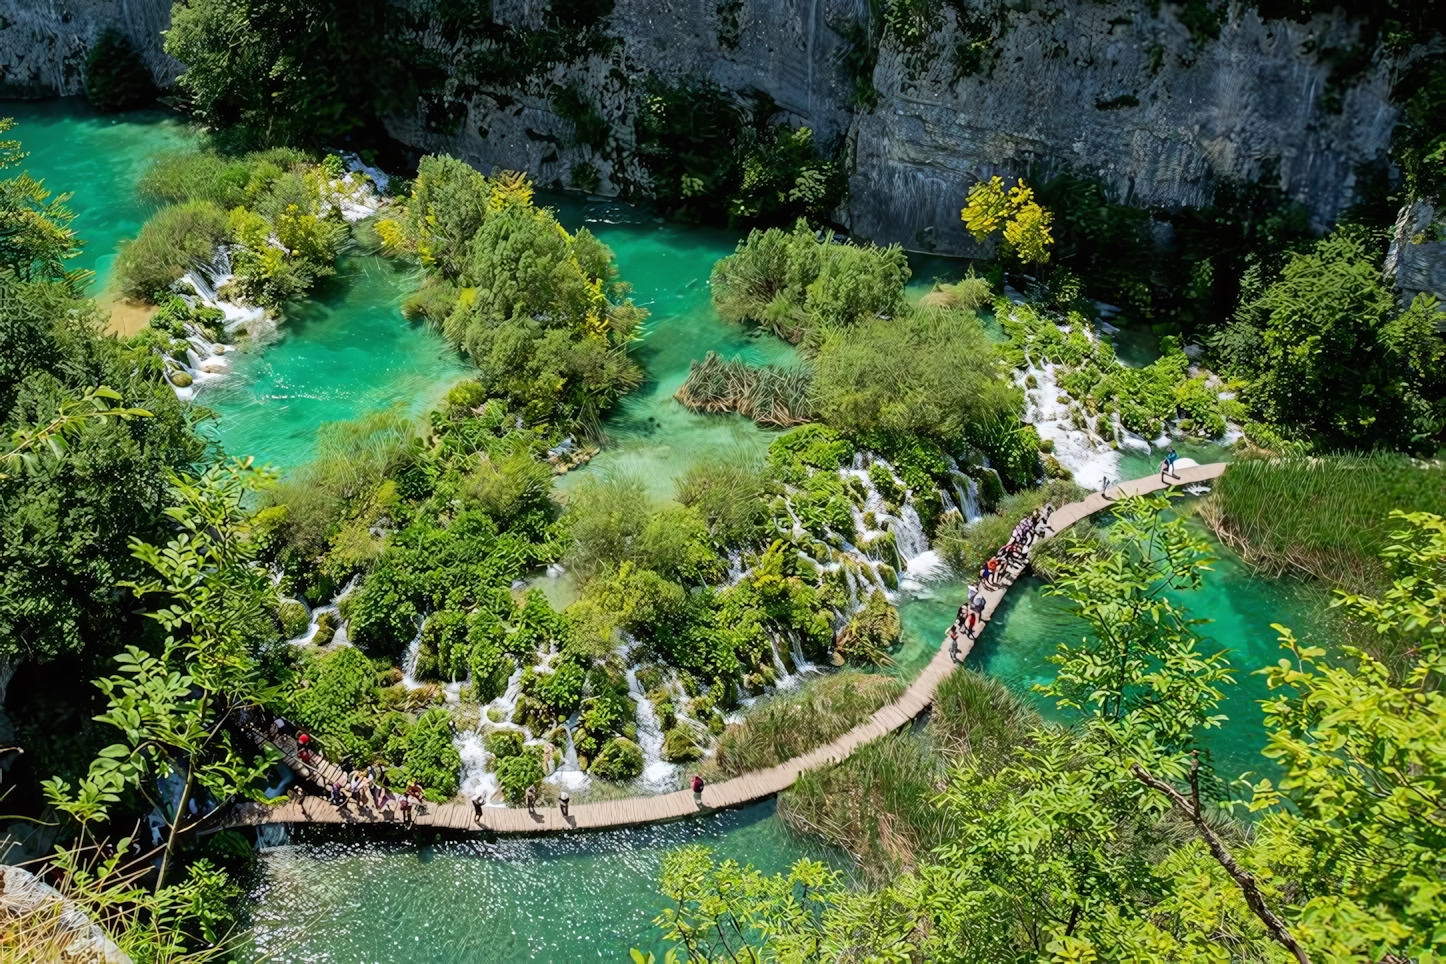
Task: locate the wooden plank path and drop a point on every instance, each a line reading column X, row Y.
column 748, row 788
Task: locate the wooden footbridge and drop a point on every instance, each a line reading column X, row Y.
column 741, row 790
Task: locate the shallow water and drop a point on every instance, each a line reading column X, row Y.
column 573, row 898
column 342, row 355
column 1024, row 633
column 98, row 158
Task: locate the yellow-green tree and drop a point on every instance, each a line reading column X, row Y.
column 1026, row 225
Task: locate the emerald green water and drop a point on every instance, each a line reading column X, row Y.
column 98, row 158
column 1024, row 633
column 562, row 899
column 344, row 354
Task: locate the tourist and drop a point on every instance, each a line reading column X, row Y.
column 478, row 802
column 698, row 789
column 414, row 789
column 1105, row 487
column 964, row 609
column 984, row 577
column 1164, row 467
column 992, row 566
column 406, row 806
column 562, row 802
column 530, row 797
column 279, row 725
column 336, row 798
column 971, row 626
column 954, row 640
column 1171, row 457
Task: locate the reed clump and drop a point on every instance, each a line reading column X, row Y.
column 793, row 723
column 1323, row 517
column 768, row 394
column 878, row 805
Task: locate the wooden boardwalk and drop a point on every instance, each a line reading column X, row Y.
column 748, row 788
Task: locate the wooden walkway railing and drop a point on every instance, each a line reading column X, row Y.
column 748, row 788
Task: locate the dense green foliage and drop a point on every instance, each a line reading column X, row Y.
column 1077, row 843
column 115, row 76
column 1330, row 357
column 711, row 159
column 539, row 310
column 278, row 210
column 296, row 73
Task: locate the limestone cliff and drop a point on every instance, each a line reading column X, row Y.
column 967, row 89
column 43, row 43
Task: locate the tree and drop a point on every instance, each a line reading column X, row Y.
column 304, row 72
column 35, row 235
column 174, row 707
column 1025, row 223
column 1141, row 669
column 1331, row 356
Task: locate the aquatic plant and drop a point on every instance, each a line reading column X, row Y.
column 768, row 394
column 790, row 724
column 1326, row 517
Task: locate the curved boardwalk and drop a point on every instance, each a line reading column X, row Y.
column 730, row 793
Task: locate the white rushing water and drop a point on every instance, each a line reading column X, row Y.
column 659, row 776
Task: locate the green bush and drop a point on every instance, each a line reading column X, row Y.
column 175, row 240
column 679, row 745
column 115, row 77
column 504, row 743
column 517, row 773
column 431, row 758
column 294, row 617
column 621, row 759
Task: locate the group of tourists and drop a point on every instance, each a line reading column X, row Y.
column 368, row 789
column 1027, row 532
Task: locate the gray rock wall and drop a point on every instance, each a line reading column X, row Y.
column 43, row 43
column 1098, row 86
column 1417, row 258
column 1108, row 89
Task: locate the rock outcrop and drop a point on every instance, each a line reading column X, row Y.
column 1417, row 258
column 968, row 89
column 43, row 43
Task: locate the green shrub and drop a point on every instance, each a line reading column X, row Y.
column 115, row 76
column 175, row 240
column 431, row 758
column 679, row 745
column 294, row 617
column 517, row 773
column 621, row 759
column 504, row 743
column 871, row 633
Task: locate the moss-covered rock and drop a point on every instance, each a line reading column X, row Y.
column 181, row 379
column 294, row 617
column 621, row 759
column 679, row 745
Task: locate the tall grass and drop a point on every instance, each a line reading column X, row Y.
column 877, row 806
column 224, row 181
column 728, row 492
column 979, row 716
column 1328, row 517
column 768, row 394
column 791, row 724
column 175, row 240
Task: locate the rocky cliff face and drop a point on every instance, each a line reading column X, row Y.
column 1417, row 258
column 43, row 43
column 966, row 89
column 1103, row 88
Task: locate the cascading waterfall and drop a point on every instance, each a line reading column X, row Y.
column 409, row 661
column 659, row 776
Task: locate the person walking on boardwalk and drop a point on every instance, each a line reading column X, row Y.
column 698, row 785
column 478, row 802
column 954, row 640
column 406, row 806
column 971, row 625
column 563, row 800
column 531, row 798
column 1171, row 457
column 1164, row 467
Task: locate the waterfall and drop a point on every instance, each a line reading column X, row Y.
column 658, row 776
column 568, row 774
column 801, row 665
column 475, row 778
column 784, row 680
column 966, row 492
column 409, row 661
column 333, row 607
column 909, row 534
